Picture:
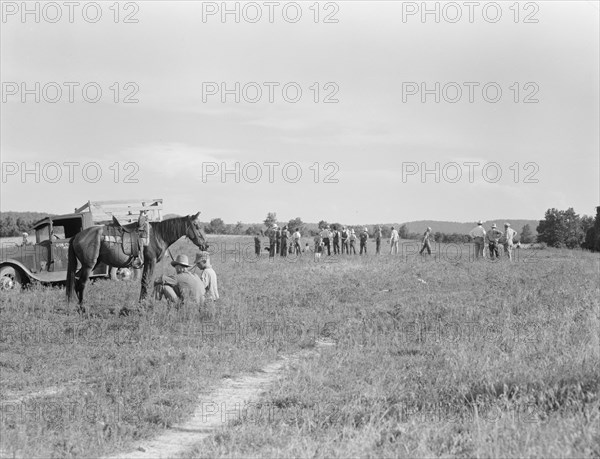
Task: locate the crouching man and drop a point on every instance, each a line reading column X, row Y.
column 182, row 288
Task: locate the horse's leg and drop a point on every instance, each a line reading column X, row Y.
column 80, row 285
column 149, row 264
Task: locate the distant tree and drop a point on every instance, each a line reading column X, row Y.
column 386, row 231
column 526, row 236
column 216, row 226
column 322, row 224
column 253, row 229
column 403, row 232
column 296, row 223
column 561, row 228
column 438, row 237
column 238, row 228
column 270, row 220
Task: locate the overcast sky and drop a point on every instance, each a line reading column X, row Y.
column 371, row 145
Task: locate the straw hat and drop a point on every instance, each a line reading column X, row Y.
column 181, row 260
column 480, row 222
column 507, row 224
column 494, row 225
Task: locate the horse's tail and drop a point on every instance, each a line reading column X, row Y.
column 71, row 270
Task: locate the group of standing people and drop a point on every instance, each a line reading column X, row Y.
column 494, row 237
column 344, row 240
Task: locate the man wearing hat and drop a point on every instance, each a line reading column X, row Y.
column 25, row 241
column 378, row 235
column 352, row 239
column 183, row 286
column 425, row 242
column 394, row 238
column 509, row 234
column 325, row 236
column 364, row 237
column 478, row 235
column 272, row 234
column 493, row 236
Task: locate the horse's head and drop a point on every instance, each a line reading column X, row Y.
column 194, row 232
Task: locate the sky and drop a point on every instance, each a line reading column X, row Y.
column 389, row 113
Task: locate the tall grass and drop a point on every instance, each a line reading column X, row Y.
column 446, row 358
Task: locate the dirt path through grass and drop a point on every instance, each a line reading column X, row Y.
column 214, row 410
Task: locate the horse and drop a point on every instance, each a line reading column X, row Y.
column 94, row 245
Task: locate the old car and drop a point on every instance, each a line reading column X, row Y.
column 46, row 260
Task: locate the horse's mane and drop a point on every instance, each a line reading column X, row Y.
column 170, row 227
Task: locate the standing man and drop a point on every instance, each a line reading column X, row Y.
column 478, row 235
column 277, row 239
column 509, row 234
column 425, row 241
column 364, row 237
column 257, row 245
column 296, row 238
column 493, row 237
column 285, row 235
column 378, row 235
column 345, row 236
column 325, row 236
column 352, row 239
column 394, row 238
column 336, row 240
column 272, row 240
column 144, row 234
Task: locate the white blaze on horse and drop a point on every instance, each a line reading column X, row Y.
column 117, row 246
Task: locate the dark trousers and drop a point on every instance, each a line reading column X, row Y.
column 327, row 244
column 493, row 250
column 284, row 248
column 277, row 246
column 297, row 248
column 257, row 250
column 352, row 248
column 336, row 246
column 344, row 246
column 426, row 246
column 377, row 246
column 272, row 249
column 363, row 246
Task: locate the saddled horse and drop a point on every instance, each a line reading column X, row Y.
column 105, row 244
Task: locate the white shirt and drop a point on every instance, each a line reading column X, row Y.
column 478, row 231
column 509, row 234
column 394, row 237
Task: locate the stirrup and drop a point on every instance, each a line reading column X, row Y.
column 137, row 264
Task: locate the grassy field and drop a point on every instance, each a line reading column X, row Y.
column 439, row 356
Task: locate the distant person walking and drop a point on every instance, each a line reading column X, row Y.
column 509, row 234
column 378, row 235
column 352, row 240
column 478, row 235
column 425, row 241
column 394, row 238
column 364, row 237
column 493, row 237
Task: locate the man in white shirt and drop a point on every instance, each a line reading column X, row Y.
column 394, row 238
column 478, row 235
column 509, row 234
column 325, row 236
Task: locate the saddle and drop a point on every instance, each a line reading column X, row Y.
column 127, row 236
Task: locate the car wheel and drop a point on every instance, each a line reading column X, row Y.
column 10, row 279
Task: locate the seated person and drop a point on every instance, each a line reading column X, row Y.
column 183, row 287
column 208, row 276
